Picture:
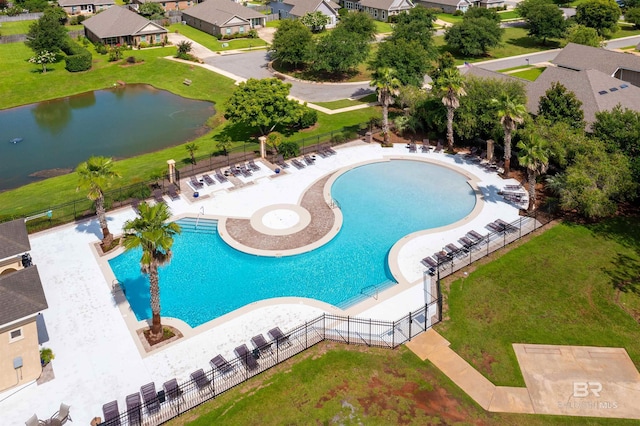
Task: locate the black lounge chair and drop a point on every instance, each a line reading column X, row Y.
column 321, row 152
column 455, row 250
column 253, row 166
column 310, row 161
column 261, row 344
column 280, row 162
column 150, row 397
column 277, row 335
column 467, row 243
column 244, row 171
column 196, row 183
column 425, row 145
column 441, row 257
column 429, row 262
column 247, row 357
column 201, row 380
column 412, row 147
column 172, row 389
column 235, row 170
column 173, row 192
column 222, row 365
column 157, row 195
column 476, row 236
column 221, row 178
column 439, row 146
column 513, row 187
column 297, row 164
column 208, row 180
column 507, row 226
column 134, row 409
column 111, row 414
column 330, row 150
column 494, row 227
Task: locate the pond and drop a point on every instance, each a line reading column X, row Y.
column 53, row 137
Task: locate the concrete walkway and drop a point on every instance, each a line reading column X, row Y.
column 561, row 380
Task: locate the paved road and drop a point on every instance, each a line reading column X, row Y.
column 254, row 65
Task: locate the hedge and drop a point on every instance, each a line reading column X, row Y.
column 78, row 58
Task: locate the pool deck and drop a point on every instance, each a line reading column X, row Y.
column 89, row 327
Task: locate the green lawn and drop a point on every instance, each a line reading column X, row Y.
column 625, row 30
column 273, row 24
column 212, row 43
column 448, row 17
column 530, row 74
column 383, row 27
column 510, row 14
column 559, row 288
column 344, row 103
column 21, row 83
column 521, row 67
column 22, row 27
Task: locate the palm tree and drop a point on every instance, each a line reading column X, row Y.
column 95, row 175
column 387, row 86
column 450, row 84
column 151, row 231
column 511, row 113
column 534, row 155
column 192, row 148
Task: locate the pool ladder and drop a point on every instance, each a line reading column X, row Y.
column 198, row 217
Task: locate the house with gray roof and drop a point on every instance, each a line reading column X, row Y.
column 223, row 17
column 21, row 300
column 600, row 79
column 447, row 6
column 378, row 9
column 119, row 25
column 298, row 8
column 85, row 7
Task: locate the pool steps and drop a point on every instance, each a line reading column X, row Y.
column 198, row 225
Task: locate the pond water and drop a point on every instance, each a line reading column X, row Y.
column 120, row 122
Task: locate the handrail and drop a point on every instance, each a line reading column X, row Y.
column 198, row 217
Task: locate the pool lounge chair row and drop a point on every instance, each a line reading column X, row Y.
column 471, row 241
column 500, row 226
column 60, row 417
column 325, row 151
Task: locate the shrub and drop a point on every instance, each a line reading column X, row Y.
column 46, row 355
column 78, row 58
column 77, row 20
column 253, row 34
column 131, row 60
column 309, row 118
column 458, row 13
column 339, row 138
column 14, row 11
column 101, row 48
column 143, row 45
column 289, row 149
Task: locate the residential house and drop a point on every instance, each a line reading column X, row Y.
column 488, row 4
column 223, row 17
column 167, row 5
column 85, row 7
column 378, row 9
column 298, row 8
column 119, row 25
column 21, row 300
column 447, row 6
column 600, row 79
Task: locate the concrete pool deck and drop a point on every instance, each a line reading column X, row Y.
column 89, row 328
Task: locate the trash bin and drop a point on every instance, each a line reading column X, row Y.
column 196, row 194
column 277, row 170
column 368, row 137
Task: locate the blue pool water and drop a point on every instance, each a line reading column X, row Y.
column 380, row 202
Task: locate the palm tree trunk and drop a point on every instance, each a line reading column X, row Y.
column 450, row 112
column 385, row 116
column 154, row 291
column 107, row 238
column 532, row 190
column 507, row 152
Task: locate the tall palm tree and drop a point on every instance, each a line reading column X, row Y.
column 95, row 175
column 450, row 84
column 387, row 86
column 154, row 234
column 511, row 113
column 534, row 156
column 191, row 149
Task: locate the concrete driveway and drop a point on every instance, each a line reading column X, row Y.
column 254, row 65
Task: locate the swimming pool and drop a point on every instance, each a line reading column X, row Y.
column 380, row 202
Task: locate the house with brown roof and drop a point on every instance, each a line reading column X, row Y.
column 119, row 25
column 447, row 6
column 21, row 300
column 167, row 5
column 85, row 7
column 298, row 8
column 378, row 9
column 223, row 17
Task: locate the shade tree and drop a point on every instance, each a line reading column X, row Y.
column 474, row 36
column 47, row 34
column 560, row 104
column 587, row 36
column 408, row 58
column 602, row 15
column 292, row 43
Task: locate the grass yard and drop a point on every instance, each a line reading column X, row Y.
column 448, row 17
column 348, row 385
column 22, row 27
column 510, row 14
column 383, row 27
column 21, row 83
column 625, row 30
column 273, row 24
column 515, row 41
column 530, row 74
column 212, row 43
column 572, row 285
column 521, row 67
column 344, row 103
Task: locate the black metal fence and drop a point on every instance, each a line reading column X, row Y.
column 168, row 402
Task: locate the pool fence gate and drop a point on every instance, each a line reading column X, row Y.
column 169, row 403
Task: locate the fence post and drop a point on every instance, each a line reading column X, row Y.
column 410, row 321
column 393, row 335
column 426, row 314
column 348, row 330
column 520, row 228
column 306, row 338
column 370, row 342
